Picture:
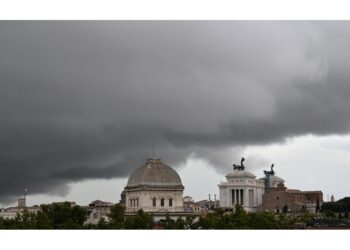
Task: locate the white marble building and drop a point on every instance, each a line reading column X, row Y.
column 241, row 187
column 155, row 188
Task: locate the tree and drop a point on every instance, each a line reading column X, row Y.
column 43, row 221
column 116, row 216
column 64, row 216
column 318, row 206
column 141, row 220
column 103, row 224
column 168, row 222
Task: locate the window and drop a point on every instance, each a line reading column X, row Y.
column 137, row 202
column 170, row 202
column 154, row 202
column 162, row 202
column 130, row 202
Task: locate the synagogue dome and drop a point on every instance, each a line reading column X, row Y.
column 154, row 174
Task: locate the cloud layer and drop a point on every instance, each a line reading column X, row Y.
column 84, row 100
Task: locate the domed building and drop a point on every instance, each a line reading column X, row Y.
column 156, row 188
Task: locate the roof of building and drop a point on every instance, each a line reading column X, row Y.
column 275, row 178
column 293, row 191
column 241, row 174
column 155, row 174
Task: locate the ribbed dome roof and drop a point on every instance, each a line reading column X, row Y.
column 155, row 174
column 275, row 178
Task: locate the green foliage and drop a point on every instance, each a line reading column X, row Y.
column 340, row 206
column 141, row 220
column 64, row 216
column 43, row 221
column 116, row 217
column 55, row 216
column 103, row 224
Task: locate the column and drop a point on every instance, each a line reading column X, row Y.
column 237, row 196
column 233, row 196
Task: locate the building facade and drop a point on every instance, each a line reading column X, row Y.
column 265, row 194
column 98, row 210
column 280, row 199
column 241, row 187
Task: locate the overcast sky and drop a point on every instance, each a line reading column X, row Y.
column 82, row 102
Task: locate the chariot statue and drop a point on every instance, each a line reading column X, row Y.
column 239, row 167
column 271, row 172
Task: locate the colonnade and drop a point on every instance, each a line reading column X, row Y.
column 237, row 196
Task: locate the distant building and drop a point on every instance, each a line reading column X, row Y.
column 22, row 202
column 11, row 212
column 204, row 206
column 98, row 210
column 188, row 204
column 280, row 199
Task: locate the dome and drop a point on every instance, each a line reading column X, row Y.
column 275, row 179
column 155, row 174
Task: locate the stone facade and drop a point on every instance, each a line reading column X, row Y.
column 241, row 187
column 281, row 199
column 154, row 200
column 98, row 210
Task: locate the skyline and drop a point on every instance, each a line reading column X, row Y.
column 85, row 100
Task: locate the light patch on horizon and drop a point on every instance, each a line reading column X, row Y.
column 311, row 163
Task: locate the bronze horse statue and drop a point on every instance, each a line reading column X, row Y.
column 239, row 167
column 271, row 172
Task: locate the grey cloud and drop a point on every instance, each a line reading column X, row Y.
column 87, row 99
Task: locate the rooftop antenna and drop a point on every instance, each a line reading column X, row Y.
column 153, row 151
column 25, row 192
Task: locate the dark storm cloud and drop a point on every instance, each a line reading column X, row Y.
column 87, row 99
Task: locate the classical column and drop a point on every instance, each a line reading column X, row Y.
column 233, row 196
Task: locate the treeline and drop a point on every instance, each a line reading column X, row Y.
column 65, row 216
column 339, row 207
column 55, row 216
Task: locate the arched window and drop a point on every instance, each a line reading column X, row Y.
column 137, row 202
column 130, row 202
column 162, row 202
column 170, row 202
column 154, row 202
column 133, row 202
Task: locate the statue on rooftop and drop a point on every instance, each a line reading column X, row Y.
column 239, row 167
column 271, row 172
